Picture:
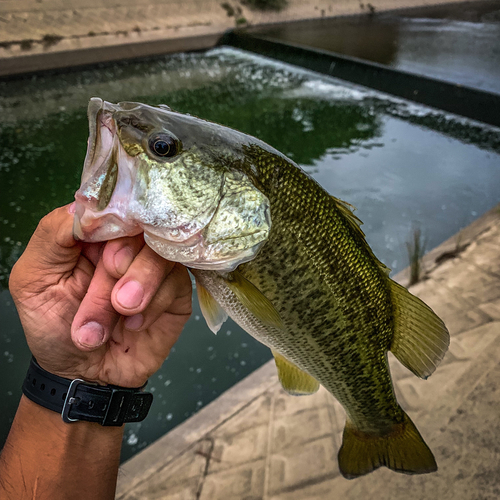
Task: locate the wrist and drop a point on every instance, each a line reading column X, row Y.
column 81, row 433
column 51, row 433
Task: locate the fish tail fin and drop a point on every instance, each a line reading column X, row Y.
column 402, row 450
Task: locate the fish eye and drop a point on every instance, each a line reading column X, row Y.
column 163, row 145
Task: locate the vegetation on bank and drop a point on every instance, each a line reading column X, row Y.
column 416, row 249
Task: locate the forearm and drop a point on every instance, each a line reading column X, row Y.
column 45, row 458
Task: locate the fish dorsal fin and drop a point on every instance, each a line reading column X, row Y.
column 355, row 222
column 420, row 338
column 212, row 312
column 254, row 300
column 294, row 380
column 347, row 210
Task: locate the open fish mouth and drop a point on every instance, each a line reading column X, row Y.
column 100, row 213
column 102, row 131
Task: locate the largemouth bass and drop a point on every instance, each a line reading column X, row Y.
column 270, row 248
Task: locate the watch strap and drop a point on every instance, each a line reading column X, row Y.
column 80, row 400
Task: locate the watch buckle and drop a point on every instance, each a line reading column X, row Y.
column 70, row 399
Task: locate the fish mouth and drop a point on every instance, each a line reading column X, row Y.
column 88, row 227
column 95, row 106
column 98, row 215
column 94, row 109
column 102, row 132
column 105, row 208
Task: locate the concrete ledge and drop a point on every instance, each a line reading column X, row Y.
column 453, row 246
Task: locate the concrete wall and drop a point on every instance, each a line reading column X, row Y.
column 33, row 19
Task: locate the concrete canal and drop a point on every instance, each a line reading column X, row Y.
column 401, row 164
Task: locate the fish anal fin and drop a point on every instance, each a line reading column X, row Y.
column 402, row 450
column 254, row 300
column 420, row 337
column 212, row 312
column 294, row 380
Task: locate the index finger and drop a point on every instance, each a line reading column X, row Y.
column 96, row 318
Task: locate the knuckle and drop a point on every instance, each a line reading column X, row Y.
column 114, row 246
column 132, row 242
column 45, row 226
column 155, row 265
column 20, row 281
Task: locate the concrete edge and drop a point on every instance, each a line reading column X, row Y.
column 380, row 14
column 176, row 442
column 75, row 59
column 160, row 453
column 468, row 102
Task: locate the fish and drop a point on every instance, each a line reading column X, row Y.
column 270, row 248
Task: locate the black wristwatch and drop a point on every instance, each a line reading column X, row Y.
column 80, row 400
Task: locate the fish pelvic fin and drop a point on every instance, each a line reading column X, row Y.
column 212, row 312
column 420, row 339
column 401, row 450
column 294, row 380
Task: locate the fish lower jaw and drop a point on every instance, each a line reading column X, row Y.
column 106, row 226
column 194, row 253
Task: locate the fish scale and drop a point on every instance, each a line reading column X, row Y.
column 326, row 331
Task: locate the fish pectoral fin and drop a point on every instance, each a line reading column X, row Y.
column 294, row 380
column 212, row 312
column 402, row 450
column 254, row 300
column 420, row 338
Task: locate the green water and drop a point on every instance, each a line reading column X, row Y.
column 400, row 164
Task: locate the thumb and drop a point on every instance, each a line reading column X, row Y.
column 51, row 253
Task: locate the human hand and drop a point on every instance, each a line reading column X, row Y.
column 103, row 312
